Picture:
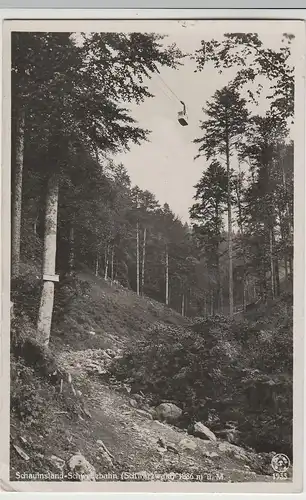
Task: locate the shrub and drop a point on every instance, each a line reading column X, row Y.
column 240, row 370
column 28, row 394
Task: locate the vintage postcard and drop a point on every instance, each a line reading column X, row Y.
column 153, row 221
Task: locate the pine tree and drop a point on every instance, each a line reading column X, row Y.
column 223, row 129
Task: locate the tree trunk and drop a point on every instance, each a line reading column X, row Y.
column 183, row 304
column 106, row 263
column 49, row 258
column 97, row 265
column 211, row 302
column 143, row 260
column 277, row 280
column 71, row 249
column 271, row 264
column 229, row 216
column 17, row 193
column 112, row 265
column 137, row 258
column 167, row 276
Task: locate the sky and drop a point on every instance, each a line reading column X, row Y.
column 165, row 165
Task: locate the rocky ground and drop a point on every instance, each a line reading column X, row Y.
column 114, row 435
column 94, row 428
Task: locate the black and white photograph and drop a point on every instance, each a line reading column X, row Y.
column 152, row 261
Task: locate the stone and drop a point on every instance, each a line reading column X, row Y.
column 21, row 452
column 200, row 430
column 161, row 442
column 168, row 412
column 133, row 403
column 210, row 454
column 144, row 413
column 188, row 444
column 59, row 463
column 82, row 468
column 138, row 398
column 171, row 447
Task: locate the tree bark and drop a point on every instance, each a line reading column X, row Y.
column 211, row 302
column 183, row 304
column 112, row 264
column 71, row 249
column 143, row 260
column 18, row 160
column 137, row 259
column 167, row 276
column 272, row 264
column 97, row 265
column 229, row 217
column 49, row 258
column 106, row 263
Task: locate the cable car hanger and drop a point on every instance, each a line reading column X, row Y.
column 182, row 115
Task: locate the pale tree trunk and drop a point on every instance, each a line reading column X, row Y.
column 97, row 265
column 112, row 264
column 183, row 304
column 106, row 263
column 17, row 194
column 143, row 260
column 137, row 259
column 229, row 216
column 167, row 276
column 49, row 257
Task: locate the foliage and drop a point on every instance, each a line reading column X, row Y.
column 240, row 370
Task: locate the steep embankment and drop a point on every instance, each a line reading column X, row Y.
column 83, row 413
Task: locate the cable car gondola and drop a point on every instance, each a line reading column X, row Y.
column 182, row 116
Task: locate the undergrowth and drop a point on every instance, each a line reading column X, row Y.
column 238, row 371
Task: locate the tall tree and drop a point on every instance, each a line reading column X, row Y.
column 207, row 217
column 223, row 129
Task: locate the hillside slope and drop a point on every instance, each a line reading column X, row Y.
column 89, row 414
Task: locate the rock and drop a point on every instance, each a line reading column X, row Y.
column 133, row 403
column 82, row 468
column 138, row 398
column 110, row 352
column 200, row 430
column 144, row 414
column 234, row 451
column 210, row 454
column 21, row 452
column 168, row 412
column 87, row 412
column 59, row 463
column 106, row 457
column 161, row 442
column 173, row 448
column 188, row 444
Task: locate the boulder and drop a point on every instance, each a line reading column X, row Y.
column 82, row 468
column 168, row 412
column 188, row 444
column 200, row 430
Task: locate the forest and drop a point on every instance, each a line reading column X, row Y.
column 228, row 271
